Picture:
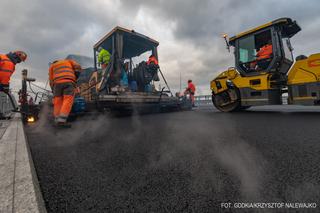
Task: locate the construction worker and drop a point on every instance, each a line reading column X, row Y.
column 191, row 89
column 153, row 66
column 63, row 75
column 7, row 67
column 263, row 56
column 152, row 60
column 104, row 57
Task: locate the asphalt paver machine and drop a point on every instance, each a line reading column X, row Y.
column 129, row 51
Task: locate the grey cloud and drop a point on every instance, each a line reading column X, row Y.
column 201, row 23
column 44, row 29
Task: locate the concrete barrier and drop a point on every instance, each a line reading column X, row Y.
column 19, row 187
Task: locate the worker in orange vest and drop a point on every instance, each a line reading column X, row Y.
column 63, row 75
column 153, row 66
column 7, row 67
column 264, row 53
column 152, row 60
column 191, row 89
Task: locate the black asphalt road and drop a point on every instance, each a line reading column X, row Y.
column 180, row 162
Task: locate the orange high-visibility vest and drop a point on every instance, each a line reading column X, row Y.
column 265, row 52
column 7, row 68
column 152, row 60
column 63, row 71
column 191, row 87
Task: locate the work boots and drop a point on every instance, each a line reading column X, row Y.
column 61, row 122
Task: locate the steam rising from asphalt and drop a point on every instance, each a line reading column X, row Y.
column 197, row 147
column 194, row 160
column 242, row 161
column 198, row 141
column 83, row 129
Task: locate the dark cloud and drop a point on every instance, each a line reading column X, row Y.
column 48, row 30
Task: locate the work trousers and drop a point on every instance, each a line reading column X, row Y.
column 192, row 98
column 63, row 99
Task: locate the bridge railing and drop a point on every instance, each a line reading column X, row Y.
column 202, row 100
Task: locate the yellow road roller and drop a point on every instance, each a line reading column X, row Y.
column 265, row 70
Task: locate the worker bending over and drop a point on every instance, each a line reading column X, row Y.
column 191, row 89
column 7, row 67
column 63, row 75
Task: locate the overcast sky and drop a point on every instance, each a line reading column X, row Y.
column 189, row 31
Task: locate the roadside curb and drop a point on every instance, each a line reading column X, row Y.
column 19, row 187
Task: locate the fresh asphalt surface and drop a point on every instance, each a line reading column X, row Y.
column 180, row 162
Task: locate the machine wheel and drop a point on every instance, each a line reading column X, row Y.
column 228, row 101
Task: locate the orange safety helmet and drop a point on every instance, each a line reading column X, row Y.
column 22, row 55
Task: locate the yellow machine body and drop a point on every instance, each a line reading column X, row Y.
column 304, row 81
column 239, row 81
column 305, row 71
